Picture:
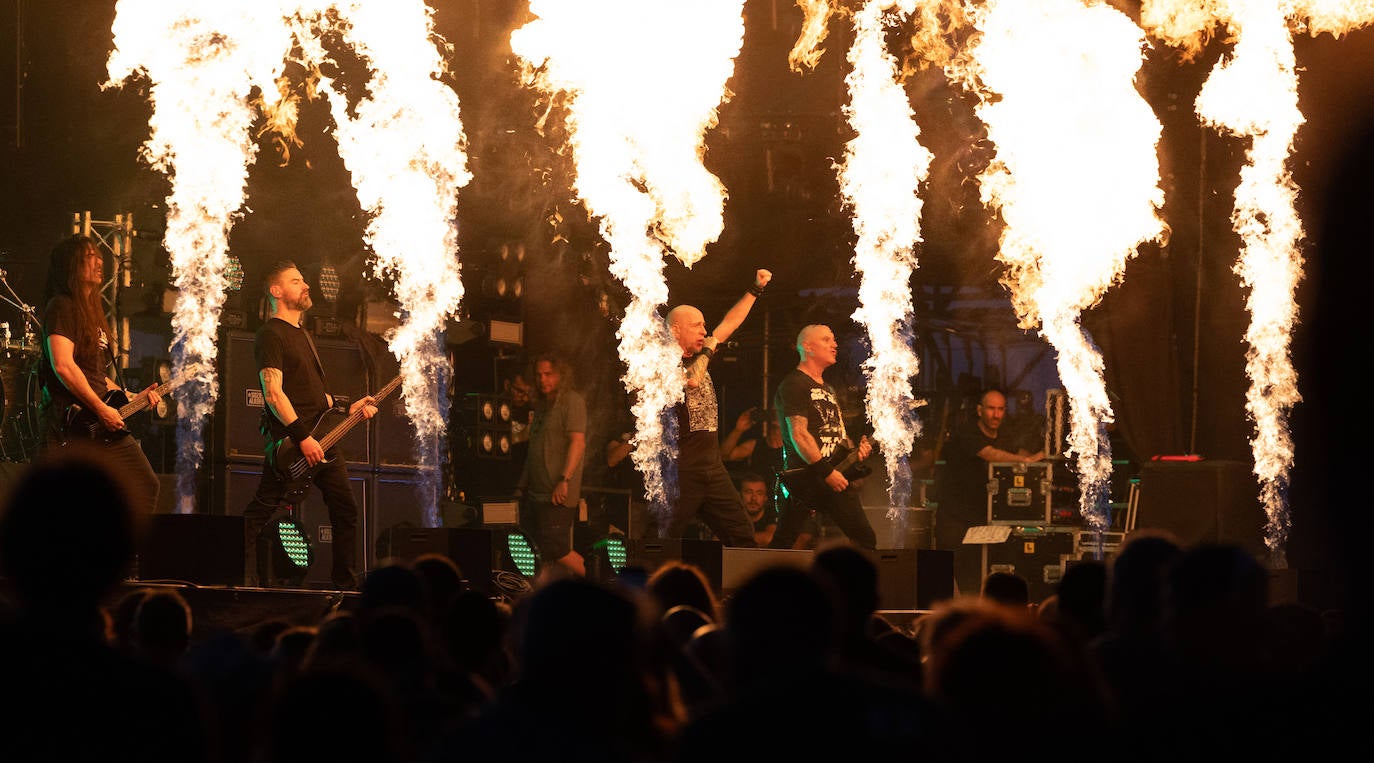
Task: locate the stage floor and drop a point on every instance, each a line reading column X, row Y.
column 241, row 609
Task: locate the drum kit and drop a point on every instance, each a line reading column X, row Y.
column 19, row 384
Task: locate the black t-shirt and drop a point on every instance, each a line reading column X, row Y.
column 800, row 395
column 286, row 348
column 768, row 517
column 60, row 317
column 764, row 459
column 963, row 485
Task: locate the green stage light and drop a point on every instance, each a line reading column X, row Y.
column 615, row 551
column 288, row 550
column 522, row 553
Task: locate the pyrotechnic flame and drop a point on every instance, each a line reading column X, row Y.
column 1076, row 180
column 883, row 168
column 1334, row 17
column 203, row 61
column 1253, row 93
column 208, row 63
column 403, row 144
column 807, row 51
column 935, row 27
column 639, row 103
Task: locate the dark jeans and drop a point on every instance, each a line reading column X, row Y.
column 706, row 492
column 126, row 458
column 845, row 508
column 332, row 480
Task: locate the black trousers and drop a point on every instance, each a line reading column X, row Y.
column 706, row 492
column 332, row 480
column 845, row 508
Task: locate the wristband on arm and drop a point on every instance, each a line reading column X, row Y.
column 298, row 431
column 756, row 290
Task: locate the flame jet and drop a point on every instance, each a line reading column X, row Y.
column 208, row 64
column 1253, row 93
column 403, row 145
column 203, row 62
column 884, row 165
column 1075, row 179
column 639, row 103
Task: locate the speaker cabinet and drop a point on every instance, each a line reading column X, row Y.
column 913, row 528
column 740, row 564
column 476, row 550
column 204, row 549
column 398, row 504
column 238, row 483
column 708, row 555
column 393, row 435
column 913, row 578
column 240, row 406
column 1202, row 502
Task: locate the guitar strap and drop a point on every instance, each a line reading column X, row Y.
column 313, row 351
column 114, row 361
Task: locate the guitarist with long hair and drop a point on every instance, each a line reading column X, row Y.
column 75, row 372
column 814, row 438
column 296, row 399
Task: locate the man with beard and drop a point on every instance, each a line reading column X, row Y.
column 74, row 373
column 963, row 484
column 295, row 398
column 550, row 484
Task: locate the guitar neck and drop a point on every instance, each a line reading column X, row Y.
column 850, row 458
column 140, row 401
column 343, row 427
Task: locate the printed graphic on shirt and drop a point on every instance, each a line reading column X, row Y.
column 702, row 413
column 829, row 426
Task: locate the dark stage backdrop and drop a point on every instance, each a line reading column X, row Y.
column 1172, row 331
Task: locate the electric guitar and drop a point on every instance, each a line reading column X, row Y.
column 284, row 455
column 842, row 459
column 80, row 422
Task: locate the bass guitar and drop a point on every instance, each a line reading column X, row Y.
column 80, row 422
column 284, row 456
column 842, row 459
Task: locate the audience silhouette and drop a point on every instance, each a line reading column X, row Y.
column 55, row 653
column 853, row 577
column 1167, row 651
